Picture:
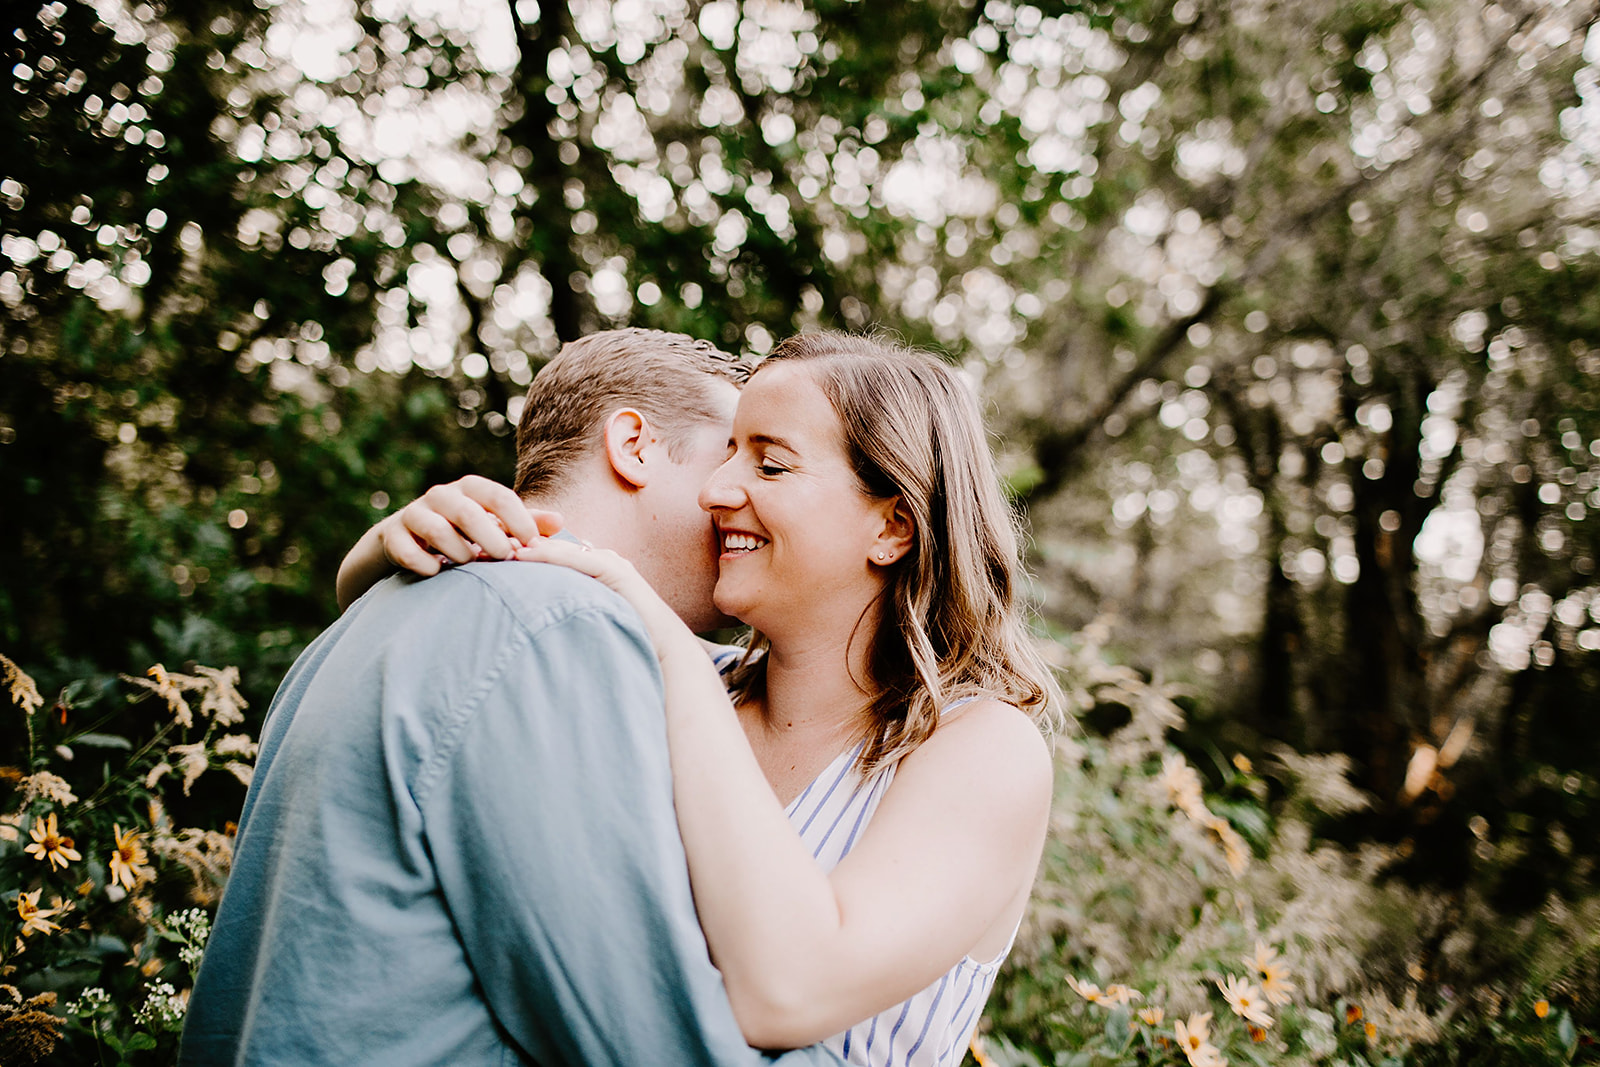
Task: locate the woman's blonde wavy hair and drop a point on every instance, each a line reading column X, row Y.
column 950, row 625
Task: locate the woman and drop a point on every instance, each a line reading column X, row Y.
column 863, row 797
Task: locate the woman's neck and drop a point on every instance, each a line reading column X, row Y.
column 819, row 674
column 812, row 708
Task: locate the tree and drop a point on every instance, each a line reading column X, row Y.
column 1297, row 294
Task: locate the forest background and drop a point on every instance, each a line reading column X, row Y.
column 1284, row 316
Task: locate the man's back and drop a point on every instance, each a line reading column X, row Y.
column 418, row 877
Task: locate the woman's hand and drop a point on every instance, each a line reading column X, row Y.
column 667, row 632
column 469, row 519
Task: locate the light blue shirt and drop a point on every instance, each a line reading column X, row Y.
column 460, row 846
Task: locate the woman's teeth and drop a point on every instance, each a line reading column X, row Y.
column 738, row 542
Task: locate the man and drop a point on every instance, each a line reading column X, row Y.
column 459, row 847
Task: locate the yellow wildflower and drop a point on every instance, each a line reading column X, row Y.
column 1372, row 1032
column 128, row 859
column 34, row 918
column 24, row 693
column 221, row 699
column 1264, row 956
column 1541, row 1008
column 1233, row 846
column 1088, row 991
column 192, row 759
column 1121, row 994
column 1194, row 1037
column 168, row 687
column 1195, row 1032
column 1242, row 762
column 1352, row 1013
column 1257, row 1034
column 1152, row 1016
column 1245, row 1000
column 49, row 844
column 51, row 787
column 1275, row 984
column 1183, row 787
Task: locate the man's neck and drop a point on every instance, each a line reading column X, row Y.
column 591, row 517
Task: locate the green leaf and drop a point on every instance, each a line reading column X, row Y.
column 1567, row 1034
column 141, row 1041
column 1118, row 1033
column 102, row 741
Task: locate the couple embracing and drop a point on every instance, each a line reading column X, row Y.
column 519, row 813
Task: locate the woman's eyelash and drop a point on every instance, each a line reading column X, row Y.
column 769, row 468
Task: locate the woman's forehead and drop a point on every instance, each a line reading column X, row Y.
column 785, row 402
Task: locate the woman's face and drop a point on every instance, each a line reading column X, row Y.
column 798, row 534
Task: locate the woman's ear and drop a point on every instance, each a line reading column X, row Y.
column 899, row 533
column 627, row 436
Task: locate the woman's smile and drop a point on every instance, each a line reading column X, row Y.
column 736, row 543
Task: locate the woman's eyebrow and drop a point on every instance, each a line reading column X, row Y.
column 768, row 439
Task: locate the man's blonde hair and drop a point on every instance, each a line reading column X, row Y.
column 668, row 377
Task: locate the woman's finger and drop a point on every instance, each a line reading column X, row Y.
column 423, row 522
column 507, row 508
column 601, row 563
column 471, row 520
column 406, row 552
column 546, row 522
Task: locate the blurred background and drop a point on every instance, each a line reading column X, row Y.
column 1284, row 315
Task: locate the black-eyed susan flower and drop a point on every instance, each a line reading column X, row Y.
column 1274, row 973
column 34, row 918
column 1194, row 1037
column 1121, row 994
column 128, row 859
column 1246, row 1001
column 1088, row 991
column 49, row 845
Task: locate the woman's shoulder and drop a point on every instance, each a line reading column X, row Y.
column 984, row 739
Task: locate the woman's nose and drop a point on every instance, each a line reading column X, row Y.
column 721, row 489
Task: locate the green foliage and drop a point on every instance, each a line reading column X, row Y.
column 1146, row 909
column 115, row 844
column 1283, row 316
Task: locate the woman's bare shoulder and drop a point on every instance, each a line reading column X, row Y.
column 987, row 740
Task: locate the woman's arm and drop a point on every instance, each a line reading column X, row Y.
column 949, row 855
column 467, row 519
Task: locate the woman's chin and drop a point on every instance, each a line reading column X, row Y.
column 730, row 604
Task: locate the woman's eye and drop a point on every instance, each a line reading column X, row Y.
column 768, row 470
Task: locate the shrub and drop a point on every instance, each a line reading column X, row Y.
column 1189, row 919
column 112, row 860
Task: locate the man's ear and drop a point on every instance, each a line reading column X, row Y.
column 899, row 533
column 627, row 436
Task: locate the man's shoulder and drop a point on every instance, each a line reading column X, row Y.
column 539, row 594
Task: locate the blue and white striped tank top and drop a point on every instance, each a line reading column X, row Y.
column 934, row 1027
